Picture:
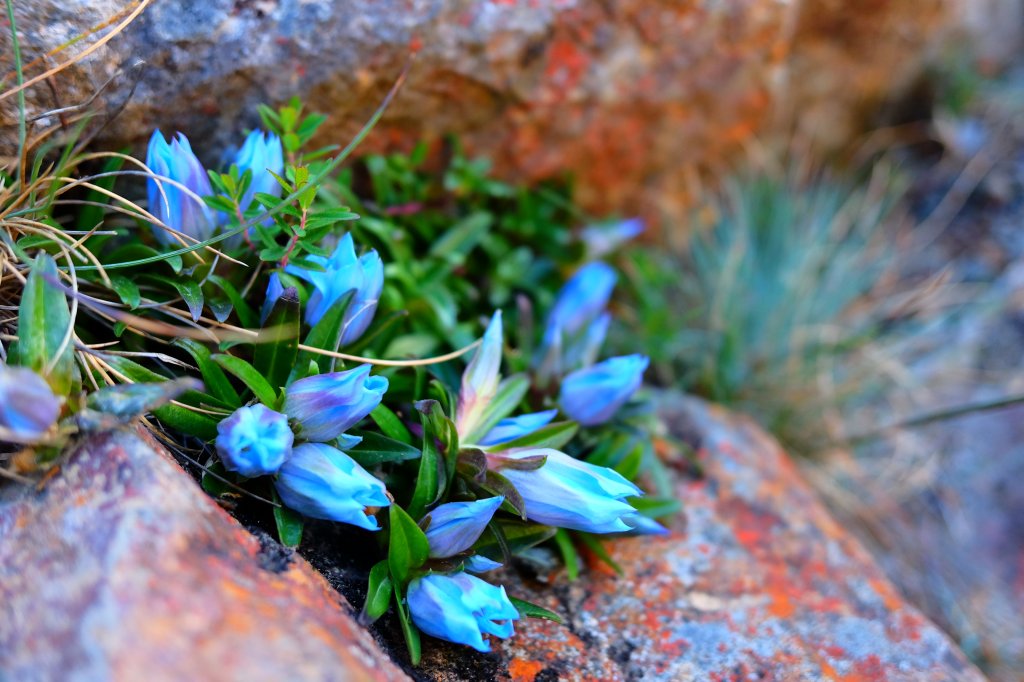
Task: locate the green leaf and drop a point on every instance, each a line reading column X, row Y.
column 428, row 481
column 597, row 547
column 390, row 424
column 629, row 467
column 242, row 308
column 510, row 393
column 569, row 554
column 408, row 548
column 531, row 610
column 326, row 333
column 289, row 524
column 457, row 242
column 126, row 290
column 376, row 449
column 409, row 631
column 378, row 593
column 551, row 436
column 276, row 359
column 187, row 421
column 191, row 294
column 262, row 390
column 518, row 536
column 656, row 507
column 216, row 381
column 211, row 479
column 90, row 216
column 44, row 321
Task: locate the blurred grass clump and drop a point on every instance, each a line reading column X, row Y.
column 765, row 302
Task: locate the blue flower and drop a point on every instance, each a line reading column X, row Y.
column 324, row 406
column 480, row 379
column 341, row 273
column 517, row 427
column 180, row 205
column 461, row 608
column 601, row 240
column 261, row 154
column 583, row 298
column 274, row 291
column 28, row 408
column 254, row 440
column 567, row 493
column 324, row 483
column 593, row 395
column 643, row 525
column 454, row 527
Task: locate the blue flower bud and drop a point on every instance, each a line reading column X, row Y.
column 326, row 405
column 454, row 527
column 479, row 564
column 568, row 493
column 261, row 154
column 480, row 380
column 593, row 395
column 322, row 482
column 517, row 427
column 461, row 608
column 583, row 298
column 274, row 291
column 179, row 206
column 343, row 272
column 601, row 240
column 28, row 407
column 254, row 440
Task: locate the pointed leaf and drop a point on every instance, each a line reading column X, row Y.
column 261, row 390
column 378, row 593
column 408, row 547
column 289, row 524
column 276, row 359
column 376, row 449
column 44, row 320
column 216, row 381
column 531, row 610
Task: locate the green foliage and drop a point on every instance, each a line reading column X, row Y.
column 761, row 301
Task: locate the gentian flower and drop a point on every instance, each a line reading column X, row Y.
column 254, row 440
column 274, row 291
column 28, row 407
column 180, row 209
column 592, row 395
column 517, row 427
column 261, row 154
column 461, row 608
column 568, row 493
column 324, row 483
column 324, row 406
column 583, row 298
column 480, row 380
column 479, row 564
column 601, row 240
column 454, row 527
column 644, row 525
column 343, row 272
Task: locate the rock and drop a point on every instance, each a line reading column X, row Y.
column 121, row 568
column 640, row 99
column 758, row 584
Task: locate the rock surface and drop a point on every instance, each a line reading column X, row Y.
column 639, row 99
column 759, row 583
column 121, row 568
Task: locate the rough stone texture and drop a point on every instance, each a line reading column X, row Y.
column 758, row 583
column 640, row 99
column 121, row 568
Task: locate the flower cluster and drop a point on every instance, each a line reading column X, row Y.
column 314, row 478
column 179, row 184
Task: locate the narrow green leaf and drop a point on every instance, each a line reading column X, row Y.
column 510, row 393
column 569, row 554
column 276, row 359
column 187, row 421
column 518, row 535
column 378, row 593
column 390, row 424
column 428, row 480
column 210, row 481
column 408, row 547
column 289, row 524
column 215, row 380
column 326, row 333
column 597, row 547
column 409, row 631
column 44, row 320
column 242, row 308
column 656, row 507
column 192, row 295
column 262, row 390
column 376, row 449
column 551, row 436
column 531, row 610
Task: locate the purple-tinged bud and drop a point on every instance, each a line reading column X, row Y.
column 180, row 205
column 322, row 482
column 261, row 154
column 454, row 527
column 511, row 428
column 583, row 298
column 28, row 407
column 254, row 441
column 461, row 608
column 480, row 380
column 567, row 493
column 593, row 395
column 341, row 273
column 324, row 406
column 601, row 240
